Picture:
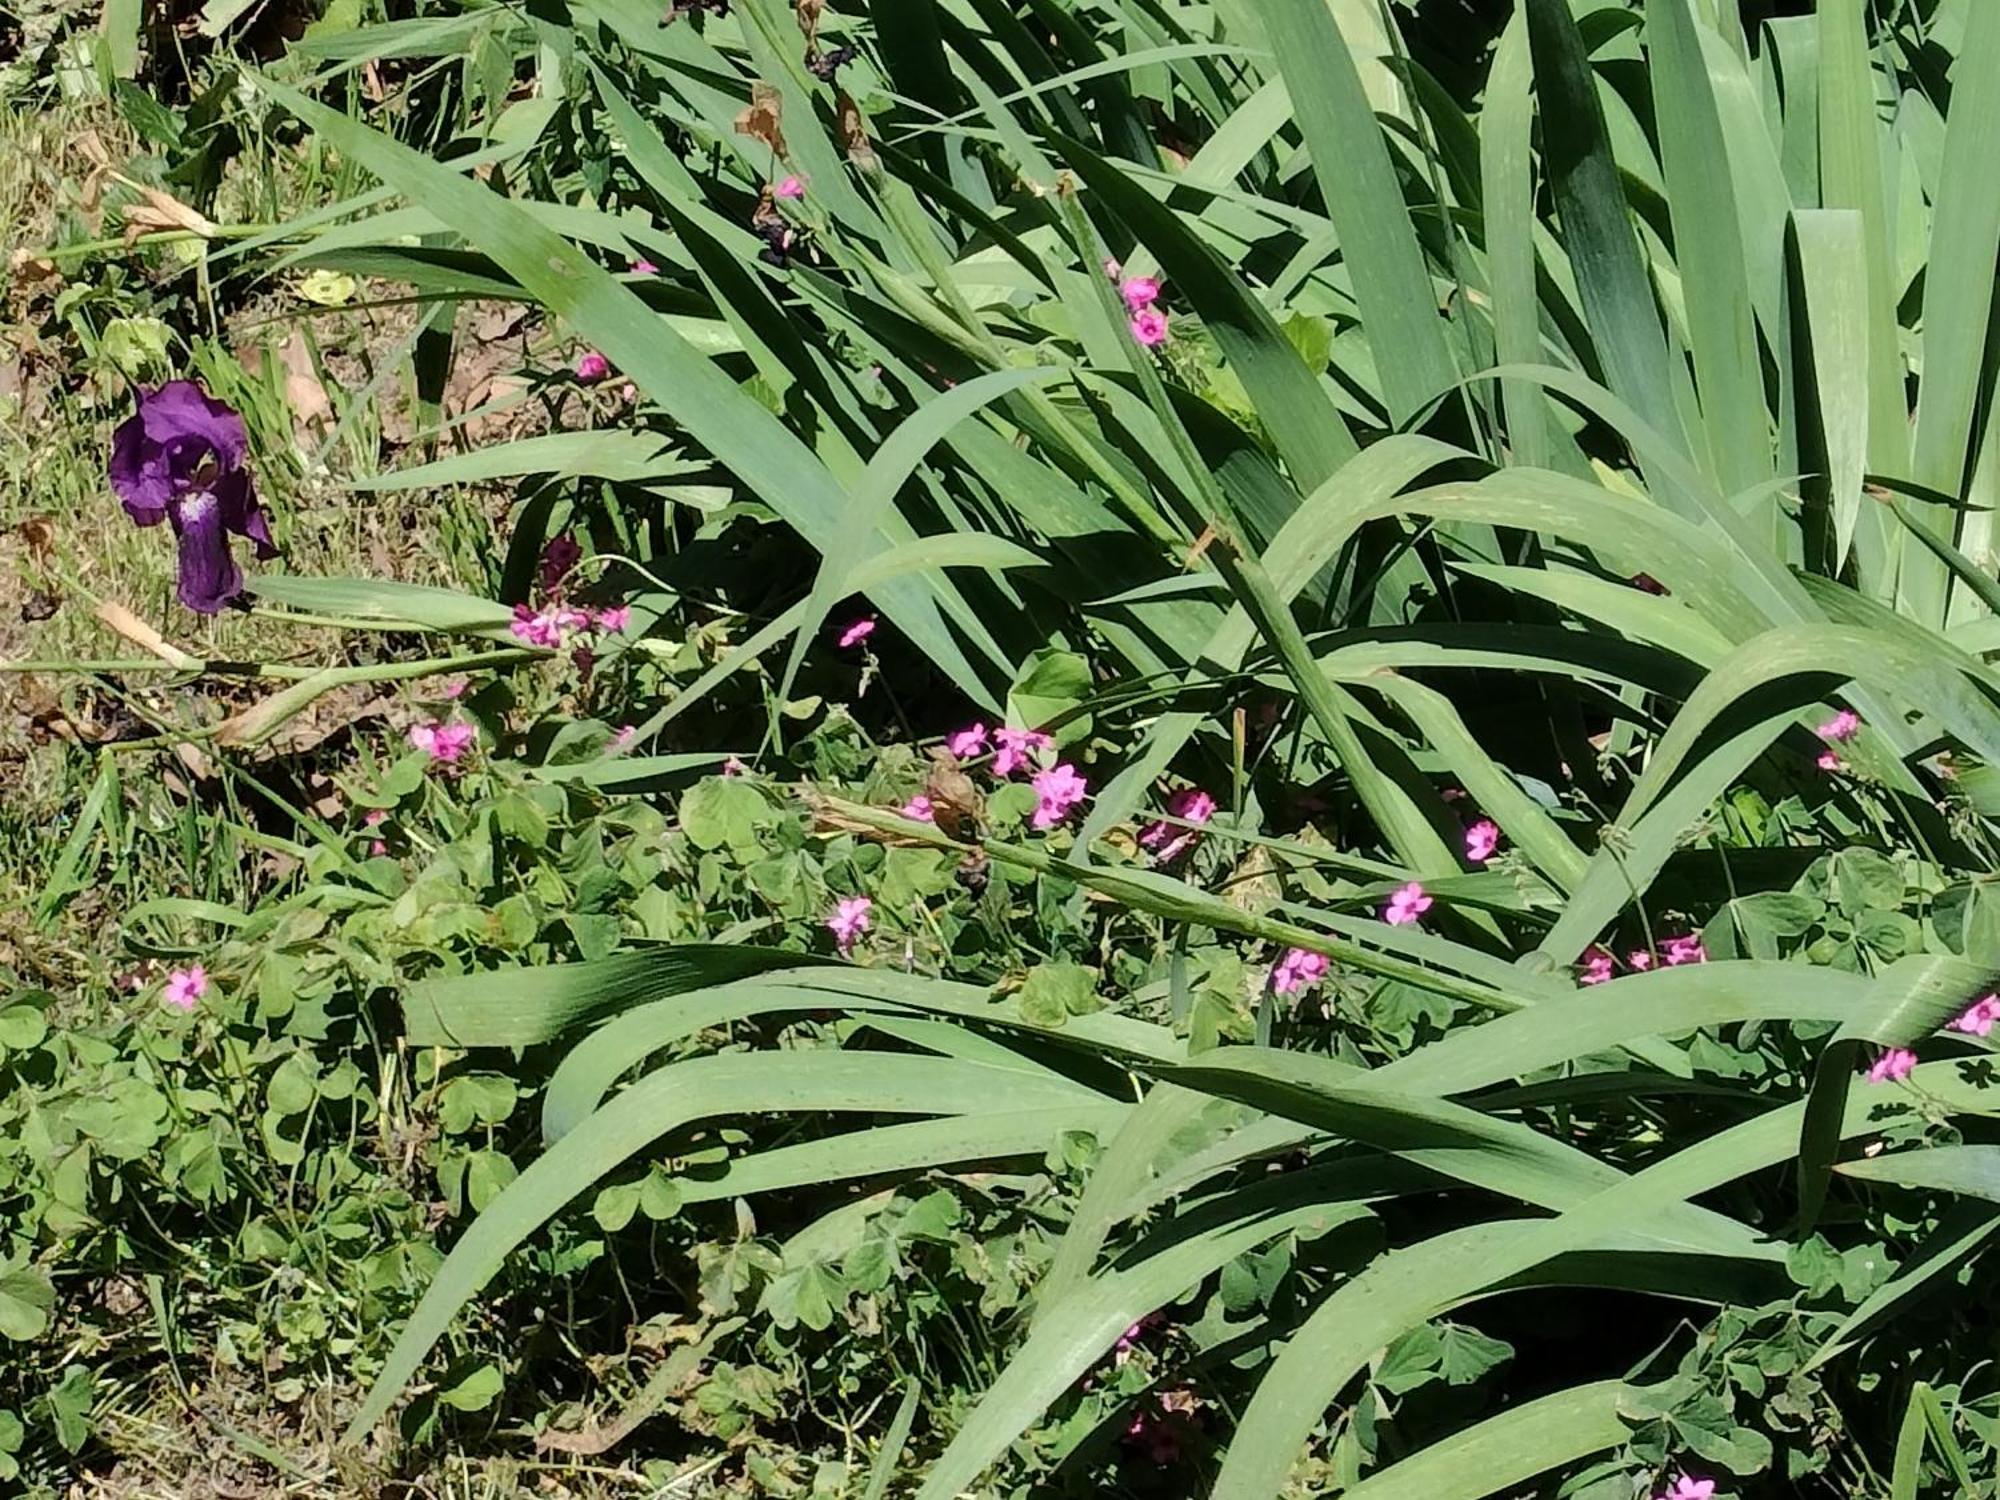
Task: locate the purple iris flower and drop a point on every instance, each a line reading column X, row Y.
column 180, row 460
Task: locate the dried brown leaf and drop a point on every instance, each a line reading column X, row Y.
column 853, row 131
column 808, row 13
column 142, row 635
column 764, row 117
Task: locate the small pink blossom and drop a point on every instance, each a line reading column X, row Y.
column 185, row 987
column 623, row 735
column 1111, row 268
column 1406, row 904
column 1011, row 747
column 1979, row 1017
column 536, row 628
column 1893, row 1066
column 443, row 743
column 918, row 809
column 790, row 187
column 1298, row 970
column 1149, row 327
column 967, row 742
column 375, row 817
column 857, row 632
column 559, row 554
column 592, row 367
column 628, row 392
column 849, row 921
column 1481, row 840
column 1686, row 1487
column 1598, row 965
column 1139, row 292
column 734, row 767
column 377, row 848
column 644, row 267
column 1828, row 761
column 611, row 620
column 1057, row 791
column 1841, row 728
column 1191, row 804
column 454, row 687
column 1686, row 949
column 1639, row 959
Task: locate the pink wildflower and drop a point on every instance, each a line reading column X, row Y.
column 559, row 554
column 1598, row 965
column 1057, row 790
column 623, row 735
column 1130, row 1338
column 1111, row 268
column 185, row 986
column 611, row 620
column 1191, row 804
column 1686, row 949
column 644, row 267
column 1979, row 1017
column 1300, row 969
column 375, row 817
column 1893, row 1066
column 1481, row 840
column 849, row 921
column 535, row 629
column 592, row 367
column 1639, row 959
column 443, row 743
column 967, row 742
column 1828, row 761
column 734, row 767
column 377, row 848
column 1406, row 904
column 790, row 187
column 1686, row 1487
column 1841, row 728
column 1149, row 327
column 1139, row 292
column 857, row 632
column 454, row 687
column 918, row 809
column 1011, row 747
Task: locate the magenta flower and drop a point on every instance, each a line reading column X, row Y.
column 547, row 627
column 612, row 620
column 734, row 767
column 1406, row 904
column 1149, row 327
column 644, row 267
column 857, row 632
column 1057, row 791
column 623, row 735
column 1191, row 804
column 849, row 921
column 1686, row 1487
column 1686, row 949
column 967, row 742
column 1979, row 1017
column 790, row 187
column 1481, row 840
column 1298, row 970
column 559, row 554
column 1640, row 960
column 454, row 687
column 443, row 743
column 1598, row 965
column 179, row 459
column 1139, row 292
column 592, row 367
column 1893, row 1066
column 918, row 809
column 185, row 986
column 1011, row 747
column 1841, row 728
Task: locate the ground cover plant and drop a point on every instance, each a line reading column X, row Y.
column 1142, row 748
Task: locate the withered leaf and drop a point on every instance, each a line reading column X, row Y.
column 956, row 803
column 763, row 119
column 808, row 13
column 853, row 132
